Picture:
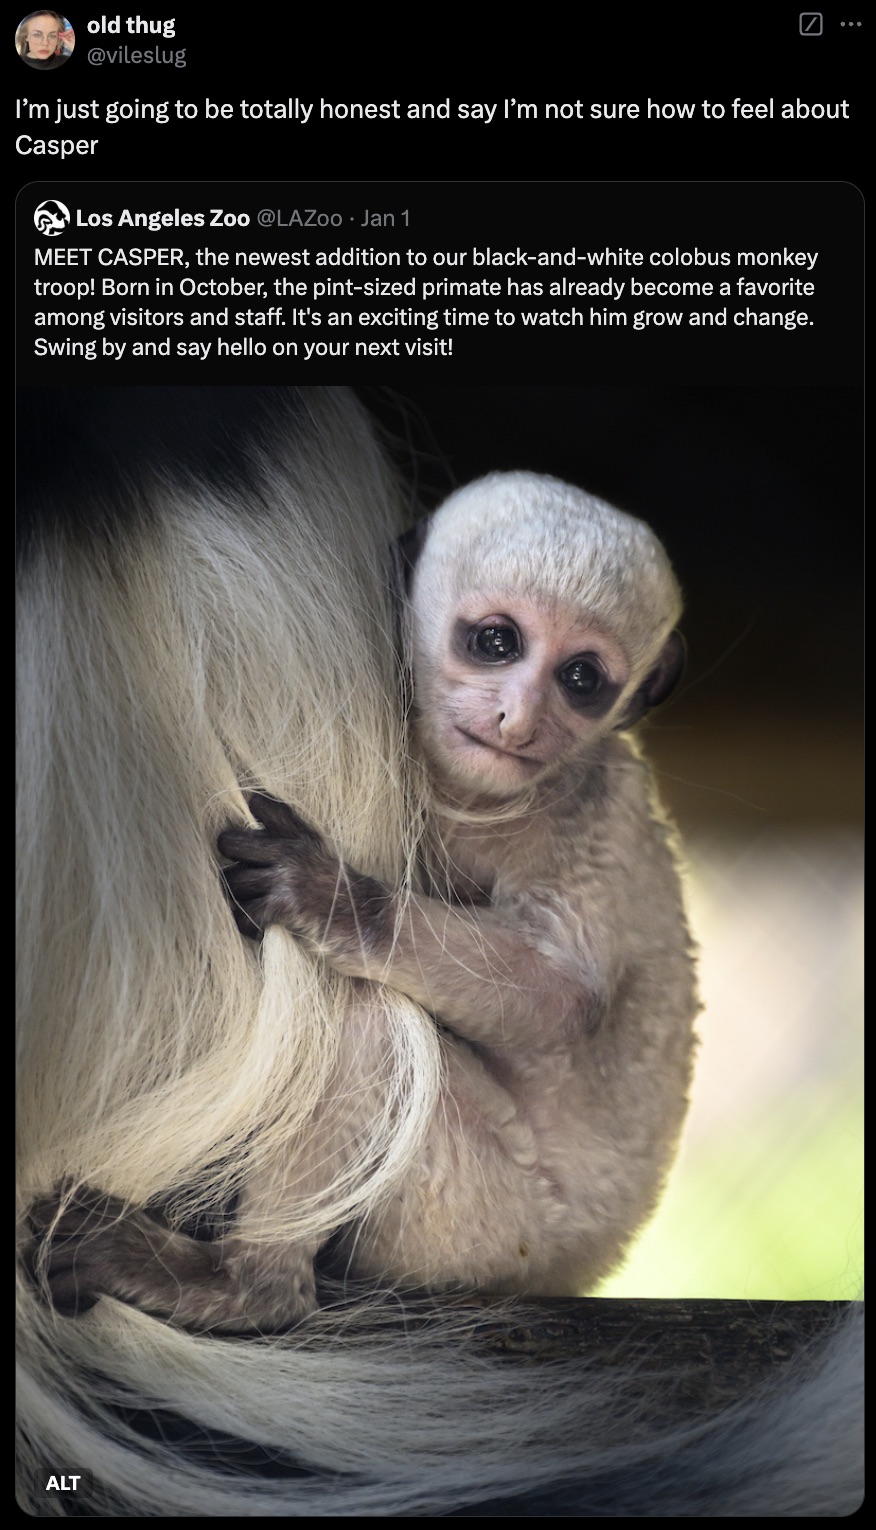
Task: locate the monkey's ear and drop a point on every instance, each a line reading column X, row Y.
column 409, row 546
column 659, row 683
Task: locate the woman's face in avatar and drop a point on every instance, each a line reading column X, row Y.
column 42, row 36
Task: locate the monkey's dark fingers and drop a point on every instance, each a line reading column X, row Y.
column 42, row 1214
column 264, row 847
column 253, row 847
column 247, row 884
column 64, row 1214
column 246, row 923
column 247, row 927
column 279, row 818
column 67, row 1280
column 61, row 1257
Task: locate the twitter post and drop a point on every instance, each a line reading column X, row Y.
column 439, row 520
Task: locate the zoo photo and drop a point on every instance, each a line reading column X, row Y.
column 369, row 1001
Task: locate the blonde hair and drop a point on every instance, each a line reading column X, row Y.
column 21, row 40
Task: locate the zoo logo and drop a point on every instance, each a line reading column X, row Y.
column 51, row 218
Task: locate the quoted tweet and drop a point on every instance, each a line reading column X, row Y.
column 240, row 280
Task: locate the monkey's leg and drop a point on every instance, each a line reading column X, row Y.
column 488, row 979
column 91, row 1245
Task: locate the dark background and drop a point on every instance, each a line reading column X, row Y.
column 683, row 53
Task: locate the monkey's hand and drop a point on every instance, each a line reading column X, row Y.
column 473, row 969
column 286, row 874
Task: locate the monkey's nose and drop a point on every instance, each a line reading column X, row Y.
column 517, row 729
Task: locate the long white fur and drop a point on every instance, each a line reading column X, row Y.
column 161, row 1057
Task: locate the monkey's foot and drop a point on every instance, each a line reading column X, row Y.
column 87, row 1244
column 82, row 1244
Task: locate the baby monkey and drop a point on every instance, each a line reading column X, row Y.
column 547, row 938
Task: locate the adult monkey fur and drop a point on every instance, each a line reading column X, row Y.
column 164, row 665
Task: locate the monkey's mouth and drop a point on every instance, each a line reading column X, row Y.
column 506, row 754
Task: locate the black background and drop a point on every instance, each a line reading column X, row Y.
column 684, row 53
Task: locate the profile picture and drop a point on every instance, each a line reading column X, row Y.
column 45, row 40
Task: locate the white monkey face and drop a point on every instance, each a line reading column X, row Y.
column 518, row 689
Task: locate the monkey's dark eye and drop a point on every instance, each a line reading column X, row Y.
column 495, row 643
column 582, row 678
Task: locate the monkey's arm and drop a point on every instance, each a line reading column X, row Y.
column 473, row 969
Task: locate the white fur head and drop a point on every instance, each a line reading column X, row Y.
column 540, row 537
column 557, row 578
